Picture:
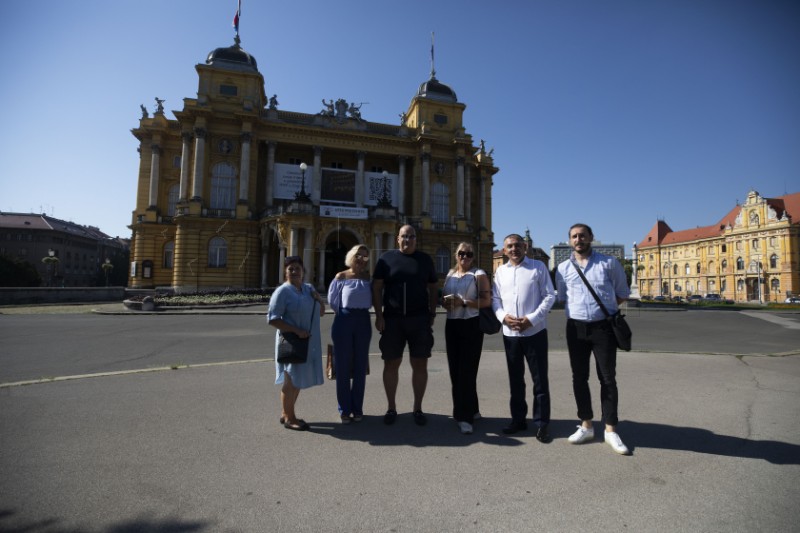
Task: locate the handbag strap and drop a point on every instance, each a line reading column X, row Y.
column 591, row 290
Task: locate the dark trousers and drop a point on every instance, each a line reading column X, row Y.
column 583, row 338
column 351, row 333
column 533, row 350
column 464, row 341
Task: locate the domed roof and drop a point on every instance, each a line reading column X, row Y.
column 437, row 90
column 233, row 58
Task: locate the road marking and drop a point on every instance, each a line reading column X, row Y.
column 126, row 372
column 769, row 317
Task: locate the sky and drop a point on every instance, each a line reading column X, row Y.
column 615, row 113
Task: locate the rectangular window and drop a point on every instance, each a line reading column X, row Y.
column 176, row 162
column 228, row 90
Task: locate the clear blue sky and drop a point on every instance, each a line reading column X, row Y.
column 614, row 113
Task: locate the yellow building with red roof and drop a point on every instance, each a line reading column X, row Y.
column 751, row 255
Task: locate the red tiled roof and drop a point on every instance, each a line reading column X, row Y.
column 661, row 233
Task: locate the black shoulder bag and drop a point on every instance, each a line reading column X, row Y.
column 619, row 325
column 487, row 320
column 291, row 348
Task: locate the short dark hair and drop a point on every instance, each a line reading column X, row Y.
column 293, row 259
column 516, row 236
column 580, row 225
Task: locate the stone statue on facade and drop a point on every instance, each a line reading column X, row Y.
column 159, row 106
column 273, row 102
column 328, row 110
column 145, row 114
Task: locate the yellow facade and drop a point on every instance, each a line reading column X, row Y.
column 751, row 255
column 222, row 198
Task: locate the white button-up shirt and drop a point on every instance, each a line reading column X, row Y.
column 523, row 290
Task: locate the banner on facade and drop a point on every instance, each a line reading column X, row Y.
column 340, row 211
column 377, row 187
column 288, row 180
column 338, row 185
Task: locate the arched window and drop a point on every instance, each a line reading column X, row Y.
column 172, row 200
column 440, row 203
column 724, row 265
column 442, row 261
column 740, row 285
column 773, row 261
column 169, row 254
column 686, row 267
column 223, row 187
column 697, row 267
column 217, row 252
column 723, row 284
column 739, row 263
column 675, row 269
column 775, row 284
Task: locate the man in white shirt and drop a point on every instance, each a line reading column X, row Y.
column 589, row 332
column 522, row 295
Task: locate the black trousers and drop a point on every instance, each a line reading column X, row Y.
column 532, row 349
column 583, row 339
column 464, row 344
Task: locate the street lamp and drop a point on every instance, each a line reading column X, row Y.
column 107, row 267
column 384, row 200
column 302, row 196
column 52, row 266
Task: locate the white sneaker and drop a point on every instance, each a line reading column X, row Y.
column 615, row 442
column 582, row 435
column 465, row 427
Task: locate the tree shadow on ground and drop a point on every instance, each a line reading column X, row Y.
column 9, row 524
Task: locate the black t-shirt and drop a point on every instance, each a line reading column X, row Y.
column 405, row 282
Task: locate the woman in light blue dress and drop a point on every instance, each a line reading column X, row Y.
column 350, row 297
column 296, row 307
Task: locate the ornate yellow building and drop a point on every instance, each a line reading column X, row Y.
column 752, row 254
column 234, row 184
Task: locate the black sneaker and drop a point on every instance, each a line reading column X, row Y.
column 419, row 418
column 390, row 417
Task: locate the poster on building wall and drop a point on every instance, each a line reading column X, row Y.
column 338, row 185
column 288, row 180
column 377, row 186
column 341, row 211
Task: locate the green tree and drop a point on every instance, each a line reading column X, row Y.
column 16, row 273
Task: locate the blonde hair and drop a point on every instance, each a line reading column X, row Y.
column 348, row 259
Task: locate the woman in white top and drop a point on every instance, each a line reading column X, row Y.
column 350, row 296
column 465, row 290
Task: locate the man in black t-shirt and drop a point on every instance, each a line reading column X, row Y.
column 404, row 297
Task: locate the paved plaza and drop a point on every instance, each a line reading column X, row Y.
column 714, row 438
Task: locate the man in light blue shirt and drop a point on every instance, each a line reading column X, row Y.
column 589, row 332
column 522, row 295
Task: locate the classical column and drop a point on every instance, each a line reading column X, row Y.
column 321, row 271
column 460, row 187
column 264, row 250
column 155, row 156
column 293, row 241
column 308, row 258
column 468, row 193
column 281, row 259
column 378, row 251
column 482, row 195
column 199, row 150
column 244, row 168
column 426, row 183
column 360, row 179
column 316, row 185
column 401, row 185
column 186, row 138
column 271, row 145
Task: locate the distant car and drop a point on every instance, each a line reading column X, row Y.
column 713, row 296
column 792, row 300
column 659, row 298
column 695, row 298
column 677, row 298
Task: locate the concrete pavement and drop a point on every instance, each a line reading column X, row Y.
column 714, row 439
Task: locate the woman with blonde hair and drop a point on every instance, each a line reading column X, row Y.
column 465, row 290
column 350, row 297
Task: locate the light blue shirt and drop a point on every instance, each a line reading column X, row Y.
column 607, row 278
column 523, row 290
column 350, row 293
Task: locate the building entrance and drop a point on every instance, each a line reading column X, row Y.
column 336, row 247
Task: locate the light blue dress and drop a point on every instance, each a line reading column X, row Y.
column 299, row 309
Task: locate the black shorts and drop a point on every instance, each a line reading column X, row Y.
column 399, row 330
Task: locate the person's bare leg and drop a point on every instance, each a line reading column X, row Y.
column 391, row 372
column 419, row 379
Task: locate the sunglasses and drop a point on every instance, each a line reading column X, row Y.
column 462, row 253
column 363, row 257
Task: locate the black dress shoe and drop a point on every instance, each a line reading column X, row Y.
column 543, row 436
column 515, row 427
